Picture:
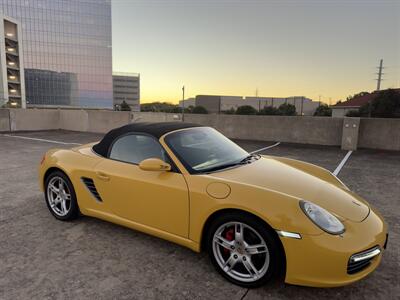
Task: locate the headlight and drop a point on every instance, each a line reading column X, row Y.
column 322, row 218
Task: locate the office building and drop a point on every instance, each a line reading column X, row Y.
column 67, row 46
column 12, row 83
column 126, row 87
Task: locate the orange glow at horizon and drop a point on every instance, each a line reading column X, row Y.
column 320, row 50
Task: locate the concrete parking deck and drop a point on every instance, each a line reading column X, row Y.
column 43, row 258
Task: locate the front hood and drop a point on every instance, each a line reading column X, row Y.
column 271, row 174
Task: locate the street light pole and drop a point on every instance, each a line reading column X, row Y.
column 183, row 104
column 302, row 103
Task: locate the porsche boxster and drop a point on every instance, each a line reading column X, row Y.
column 257, row 216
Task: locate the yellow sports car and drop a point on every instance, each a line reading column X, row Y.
column 256, row 216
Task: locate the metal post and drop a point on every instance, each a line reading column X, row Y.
column 259, row 104
column 183, row 104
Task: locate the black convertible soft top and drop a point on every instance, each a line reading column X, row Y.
column 155, row 129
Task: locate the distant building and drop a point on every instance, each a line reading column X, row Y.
column 126, row 87
column 12, row 80
column 188, row 102
column 69, row 44
column 39, row 92
column 342, row 108
column 211, row 103
column 217, row 104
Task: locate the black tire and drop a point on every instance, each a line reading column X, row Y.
column 276, row 261
column 73, row 208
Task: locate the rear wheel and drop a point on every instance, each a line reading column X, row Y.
column 60, row 196
column 243, row 249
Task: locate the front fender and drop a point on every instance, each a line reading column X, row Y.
column 279, row 210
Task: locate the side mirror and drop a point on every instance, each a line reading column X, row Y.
column 154, row 164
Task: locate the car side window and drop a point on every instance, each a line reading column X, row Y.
column 134, row 148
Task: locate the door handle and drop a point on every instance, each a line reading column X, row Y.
column 102, row 176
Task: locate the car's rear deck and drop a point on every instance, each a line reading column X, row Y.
column 41, row 257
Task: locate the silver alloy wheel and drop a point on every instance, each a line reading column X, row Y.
column 246, row 256
column 59, row 196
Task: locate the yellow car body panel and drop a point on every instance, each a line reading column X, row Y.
column 176, row 206
column 83, row 162
column 154, row 199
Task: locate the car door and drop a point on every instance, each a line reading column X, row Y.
column 157, row 199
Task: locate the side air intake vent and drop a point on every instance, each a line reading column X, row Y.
column 92, row 188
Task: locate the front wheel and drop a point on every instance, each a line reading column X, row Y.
column 60, row 196
column 243, row 249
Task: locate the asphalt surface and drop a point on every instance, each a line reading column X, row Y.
column 42, row 258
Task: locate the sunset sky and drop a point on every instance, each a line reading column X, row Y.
column 281, row 48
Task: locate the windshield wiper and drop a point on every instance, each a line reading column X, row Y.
column 247, row 160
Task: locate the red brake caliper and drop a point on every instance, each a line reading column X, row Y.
column 229, row 235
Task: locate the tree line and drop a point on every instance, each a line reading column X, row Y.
column 385, row 105
column 285, row 109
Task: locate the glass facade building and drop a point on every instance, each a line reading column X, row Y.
column 126, row 88
column 67, row 51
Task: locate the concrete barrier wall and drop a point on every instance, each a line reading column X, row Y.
column 379, row 134
column 154, row 117
column 305, row 130
column 372, row 133
column 103, row 121
column 76, row 120
column 4, row 120
column 34, row 119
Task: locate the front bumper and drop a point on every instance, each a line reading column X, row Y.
column 323, row 260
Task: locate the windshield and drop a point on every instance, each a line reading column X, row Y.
column 204, row 149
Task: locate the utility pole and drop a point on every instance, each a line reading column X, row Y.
column 259, row 104
column 380, row 68
column 183, row 103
